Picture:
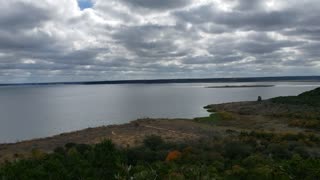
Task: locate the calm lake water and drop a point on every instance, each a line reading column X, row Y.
column 39, row 111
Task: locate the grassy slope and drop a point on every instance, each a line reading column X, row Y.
column 310, row 98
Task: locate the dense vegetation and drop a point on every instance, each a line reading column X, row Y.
column 245, row 155
column 309, row 98
column 306, row 114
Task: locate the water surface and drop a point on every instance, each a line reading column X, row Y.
column 28, row 112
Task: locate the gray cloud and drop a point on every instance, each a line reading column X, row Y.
column 21, row 15
column 150, row 41
column 249, row 5
column 242, row 19
column 122, row 39
column 157, row 5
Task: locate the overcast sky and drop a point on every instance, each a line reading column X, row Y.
column 70, row 40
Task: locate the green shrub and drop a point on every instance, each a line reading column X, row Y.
column 153, row 142
column 134, row 155
column 59, row 150
column 83, row 148
column 301, row 168
column 237, row 150
column 106, row 160
column 69, row 145
column 279, row 150
column 254, row 160
column 279, row 156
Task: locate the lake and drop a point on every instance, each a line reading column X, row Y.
column 39, row 111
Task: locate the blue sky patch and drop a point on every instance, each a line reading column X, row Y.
column 84, row 4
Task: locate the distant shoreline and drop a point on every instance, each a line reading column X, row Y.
column 189, row 80
column 240, row 86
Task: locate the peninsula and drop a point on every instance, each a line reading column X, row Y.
column 241, row 86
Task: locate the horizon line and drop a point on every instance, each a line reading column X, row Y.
column 176, row 80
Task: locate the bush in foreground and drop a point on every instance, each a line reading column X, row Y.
column 250, row 155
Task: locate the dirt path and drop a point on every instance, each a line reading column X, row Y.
column 172, row 131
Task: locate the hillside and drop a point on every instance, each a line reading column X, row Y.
column 310, row 98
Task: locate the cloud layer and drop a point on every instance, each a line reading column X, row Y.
column 147, row 39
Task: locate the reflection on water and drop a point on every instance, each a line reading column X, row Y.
column 39, row 111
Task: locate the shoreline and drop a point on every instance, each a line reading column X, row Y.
column 188, row 80
column 110, row 126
